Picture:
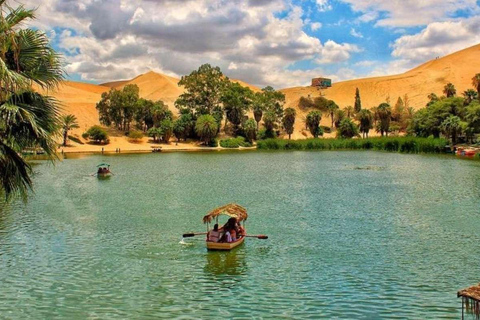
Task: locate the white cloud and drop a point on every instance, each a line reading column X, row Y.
column 323, row 5
column 333, row 52
column 404, row 13
column 365, row 63
column 437, row 39
column 355, row 33
column 314, row 26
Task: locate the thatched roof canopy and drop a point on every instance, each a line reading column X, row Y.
column 232, row 210
column 471, row 296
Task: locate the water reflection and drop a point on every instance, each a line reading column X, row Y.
column 226, row 263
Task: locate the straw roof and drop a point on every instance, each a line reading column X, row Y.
column 472, row 292
column 472, row 299
column 232, row 210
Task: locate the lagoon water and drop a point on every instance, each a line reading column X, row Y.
column 352, row 235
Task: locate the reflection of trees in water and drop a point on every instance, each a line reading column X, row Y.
column 226, row 263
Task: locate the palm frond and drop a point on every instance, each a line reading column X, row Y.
column 14, row 173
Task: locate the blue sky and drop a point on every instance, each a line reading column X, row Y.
column 264, row 42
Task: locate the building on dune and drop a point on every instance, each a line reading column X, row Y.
column 321, row 83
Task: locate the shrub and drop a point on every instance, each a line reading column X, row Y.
column 391, row 144
column 97, row 134
column 135, row 136
column 235, row 143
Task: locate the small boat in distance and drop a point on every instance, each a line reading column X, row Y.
column 103, row 170
column 232, row 234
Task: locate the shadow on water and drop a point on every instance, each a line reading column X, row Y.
column 226, row 263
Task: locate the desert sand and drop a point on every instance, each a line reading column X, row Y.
column 459, row 68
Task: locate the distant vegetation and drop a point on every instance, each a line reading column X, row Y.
column 235, row 143
column 211, row 103
column 392, row 144
column 96, row 134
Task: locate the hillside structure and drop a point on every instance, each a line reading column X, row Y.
column 321, row 82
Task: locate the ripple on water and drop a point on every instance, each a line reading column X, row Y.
column 354, row 235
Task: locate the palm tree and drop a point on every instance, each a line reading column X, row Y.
column 288, row 121
column 349, row 111
column 68, row 122
column 449, row 90
column 313, row 121
column 470, row 95
column 332, row 107
column 365, row 118
column 206, row 128
column 452, row 126
column 250, row 129
column 384, row 116
column 476, row 84
column 27, row 119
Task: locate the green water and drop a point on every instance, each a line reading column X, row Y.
column 352, row 235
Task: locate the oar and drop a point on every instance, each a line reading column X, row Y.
column 189, row 235
column 260, row 236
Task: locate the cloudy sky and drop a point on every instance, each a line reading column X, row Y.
column 281, row 43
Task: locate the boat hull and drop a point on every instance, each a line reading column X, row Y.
column 225, row 246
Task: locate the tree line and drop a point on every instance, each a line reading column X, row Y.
column 209, row 99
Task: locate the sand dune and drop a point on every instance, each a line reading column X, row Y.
column 80, row 98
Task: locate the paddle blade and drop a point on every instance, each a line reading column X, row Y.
column 262, row 236
column 188, row 235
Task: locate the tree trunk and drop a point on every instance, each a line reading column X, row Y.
column 65, row 137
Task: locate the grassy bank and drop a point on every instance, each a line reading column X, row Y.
column 392, row 144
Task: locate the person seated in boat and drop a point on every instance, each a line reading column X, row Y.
column 240, row 230
column 99, row 170
column 233, row 234
column 214, row 235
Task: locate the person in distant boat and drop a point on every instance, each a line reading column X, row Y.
column 240, row 230
column 99, row 170
column 214, row 235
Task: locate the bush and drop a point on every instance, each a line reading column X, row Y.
column 135, row 136
column 326, row 129
column 97, row 134
column 235, row 143
column 265, row 134
column 391, row 144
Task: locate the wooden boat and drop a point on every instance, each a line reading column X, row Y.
column 466, row 152
column 231, row 210
column 103, row 170
column 224, row 245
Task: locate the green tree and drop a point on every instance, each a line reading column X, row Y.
column 250, row 130
column 349, row 111
column 347, row 129
column 206, row 128
column 432, row 97
column 365, row 118
column 203, row 90
column 258, row 107
column 451, row 127
column 339, row 116
column 476, row 84
column 237, row 100
column 119, row 107
column 273, row 102
column 155, row 133
column 68, row 122
column 270, row 123
column 449, row 90
column 288, row 121
column 473, row 116
column 470, row 95
column 384, row 116
column 332, row 107
column 183, row 126
column 398, row 110
column 166, row 127
column 97, row 134
column 27, row 119
column 358, row 102
column 313, row 122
